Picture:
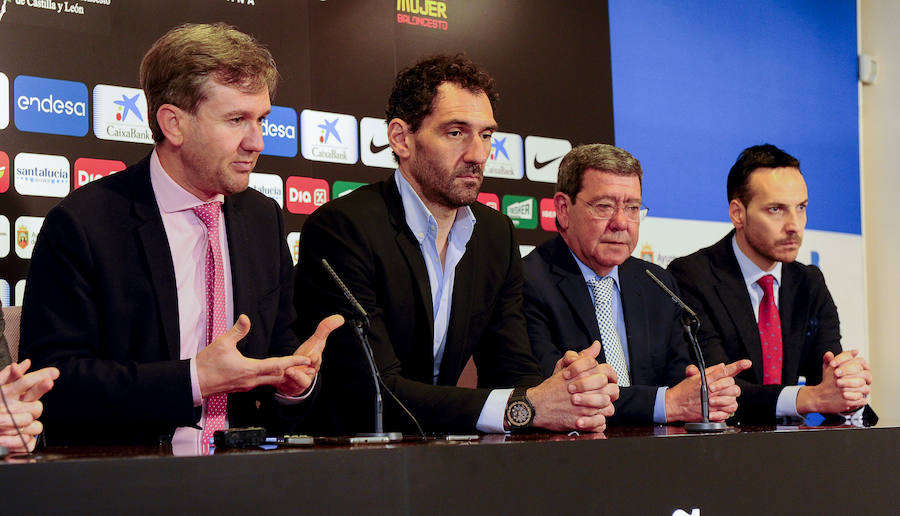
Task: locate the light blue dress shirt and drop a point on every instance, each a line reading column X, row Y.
column 441, row 278
column 618, row 315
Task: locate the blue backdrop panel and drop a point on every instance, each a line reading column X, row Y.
column 696, row 81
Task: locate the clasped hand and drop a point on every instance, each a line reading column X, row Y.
column 579, row 395
column 23, row 392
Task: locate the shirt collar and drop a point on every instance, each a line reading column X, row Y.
column 749, row 270
column 419, row 218
column 589, row 273
column 170, row 196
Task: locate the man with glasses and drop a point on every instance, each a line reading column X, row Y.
column 583, row 286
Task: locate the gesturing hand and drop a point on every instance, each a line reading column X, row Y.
column 221, row 368
column 297, row 379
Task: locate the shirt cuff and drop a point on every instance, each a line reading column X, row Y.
column 491, row 419
column 659, row 408
column 294, row 400
column 195, row 384
column 787, row 402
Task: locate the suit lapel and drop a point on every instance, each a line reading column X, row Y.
column 409, row 249
column 733, row 293
column 573, row 289
column 634, row 310
column 237, row 241
column 152, row 236
column 788, row 291
column 456, row 350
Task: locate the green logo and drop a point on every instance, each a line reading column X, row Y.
column 522, row 210
column 342, row 188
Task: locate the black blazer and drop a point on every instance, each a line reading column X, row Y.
column 365, row 238
column 561, row 317
column 711, row 283
column 101, row 305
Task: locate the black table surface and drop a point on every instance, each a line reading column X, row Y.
column 627, row 470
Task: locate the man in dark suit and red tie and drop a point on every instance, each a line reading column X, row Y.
column 755, row 301
column 136, row 278
column 584, row 286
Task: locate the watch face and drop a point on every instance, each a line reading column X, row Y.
column 519, row 413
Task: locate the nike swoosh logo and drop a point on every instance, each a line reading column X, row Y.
column 375, row 149
column 541, row 164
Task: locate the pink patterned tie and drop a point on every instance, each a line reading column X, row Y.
column 770, row 333
column 216, row 404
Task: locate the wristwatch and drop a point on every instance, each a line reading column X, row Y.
column 519, row 411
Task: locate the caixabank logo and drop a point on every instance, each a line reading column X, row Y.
column 269, row 185
column 506, row 160
column 374, row 149
column 91, row 169
column 120, row 114
column 4, row 99
column 50, row 106
column 280, row 132
column 305, row 194
column 43, row 175
column 330, row 137
column 542, row 157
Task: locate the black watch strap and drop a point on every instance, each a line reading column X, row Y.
column 519, row 410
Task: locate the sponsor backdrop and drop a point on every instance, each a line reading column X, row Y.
column 688, row 84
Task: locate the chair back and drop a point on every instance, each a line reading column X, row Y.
column 12, row 315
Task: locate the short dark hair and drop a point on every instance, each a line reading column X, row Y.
column 178, row 66
column 750, row 159
column 598, row 156
column 415, row 87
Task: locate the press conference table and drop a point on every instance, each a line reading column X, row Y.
column 641, row 470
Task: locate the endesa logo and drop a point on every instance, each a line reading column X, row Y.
column 50, row 106
column 121, row 114
column 548, row 215
column 305, row 194
column 43, row 175
column 542, row 157
column 374, row 149
column 4, row 99
column 90, row 169
column 4, row 172
column 329, row 137
column 490, row 200
column 280, row 132
column 269, row 185
column 506, row 160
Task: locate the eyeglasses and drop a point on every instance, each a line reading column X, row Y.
column 604, row 210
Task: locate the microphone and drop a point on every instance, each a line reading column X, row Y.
column 691, row 323
column 360, row 325
column 347, row 294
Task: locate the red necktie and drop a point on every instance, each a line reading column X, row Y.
column 770, row 333
column 216, row 404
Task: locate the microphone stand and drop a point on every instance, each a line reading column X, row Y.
column 690, row 323
column 361, row 327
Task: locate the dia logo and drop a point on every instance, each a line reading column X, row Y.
column 305, row 194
